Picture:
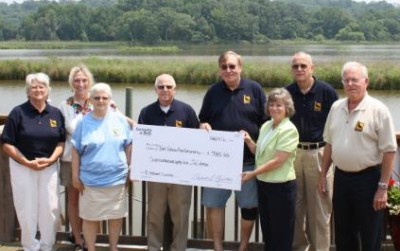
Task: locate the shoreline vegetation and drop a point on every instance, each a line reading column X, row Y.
column 382, row 75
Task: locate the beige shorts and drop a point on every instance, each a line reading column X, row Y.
column 103, row 203
column 66, row 174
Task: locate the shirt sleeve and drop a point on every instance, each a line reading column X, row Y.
column 76, row 139
column 10, row 131
column 288, row 140
column 204, row 114
column 193, row 121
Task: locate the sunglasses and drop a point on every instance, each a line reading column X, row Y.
column 98, row 98
column 297, row 66
column 224, row 67
column 162, row 87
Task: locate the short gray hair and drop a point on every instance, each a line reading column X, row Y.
column 353, row 64
column 281, row 94
column 40, row 77
column 166, row 77
column 303, row 54
column 101, row 87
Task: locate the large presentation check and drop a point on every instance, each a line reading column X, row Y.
column 187, row 156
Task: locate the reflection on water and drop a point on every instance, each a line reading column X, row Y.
column 13, row 93
column 266, row 52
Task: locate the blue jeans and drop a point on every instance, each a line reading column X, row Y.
column 246, row 197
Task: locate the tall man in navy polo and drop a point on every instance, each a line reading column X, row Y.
column 313, row 99
column 167, row 111
column 233, row 104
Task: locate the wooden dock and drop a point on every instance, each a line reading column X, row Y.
column 63, row 246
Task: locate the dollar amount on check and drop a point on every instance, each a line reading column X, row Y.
column 187, row 156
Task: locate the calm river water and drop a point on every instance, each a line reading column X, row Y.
column 13, row 93
column 267, row 52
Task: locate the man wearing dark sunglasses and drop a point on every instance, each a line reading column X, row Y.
column 233, row 104
column 312, row 100
column 167, row 111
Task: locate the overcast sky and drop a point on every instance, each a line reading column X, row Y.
column 20, row 1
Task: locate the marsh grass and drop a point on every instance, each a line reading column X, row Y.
column 125, row 47
column 383, row 76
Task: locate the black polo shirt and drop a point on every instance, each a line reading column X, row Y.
column 242, row 108
column 35, row 134
column 312, row 109
column 179, row 115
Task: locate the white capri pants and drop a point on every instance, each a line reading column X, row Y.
column 36, row 201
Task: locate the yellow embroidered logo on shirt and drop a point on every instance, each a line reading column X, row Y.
column 317, row 106
column 178, row 123
column 246, row 99
column 53, row 123
column 116, row 132
column 359, row 126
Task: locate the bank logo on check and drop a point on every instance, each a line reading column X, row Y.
column 144, row 131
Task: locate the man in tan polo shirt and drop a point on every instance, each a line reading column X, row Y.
column 361, row 142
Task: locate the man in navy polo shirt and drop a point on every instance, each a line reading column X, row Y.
column 312, row 100
column 233, row 104
column 167, row 111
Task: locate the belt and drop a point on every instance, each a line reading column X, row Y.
column 310, row 146
column 364, row 171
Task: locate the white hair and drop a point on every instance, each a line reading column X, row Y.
column 37, row 77
column 352, row 65
column 101, row 87
column 165, row 77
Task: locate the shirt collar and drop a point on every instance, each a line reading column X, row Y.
column 171, row 106
column 312, row 90
column 32, row 108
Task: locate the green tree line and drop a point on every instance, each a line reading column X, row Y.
column 194, row 21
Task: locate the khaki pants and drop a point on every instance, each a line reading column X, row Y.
column 178, row 198
column 313, row 210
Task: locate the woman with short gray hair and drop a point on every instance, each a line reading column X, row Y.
column 100, row 156
column 33, row 138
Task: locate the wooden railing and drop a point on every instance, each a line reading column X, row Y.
column 134, row 228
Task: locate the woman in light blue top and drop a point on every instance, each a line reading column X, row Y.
column 100, row 154
column 275, row 152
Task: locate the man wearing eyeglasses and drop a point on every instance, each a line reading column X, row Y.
column 168, row 111
column 312, row 99
column 361, row 142
column 233, row 104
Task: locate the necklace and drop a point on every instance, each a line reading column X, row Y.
column 78, row 108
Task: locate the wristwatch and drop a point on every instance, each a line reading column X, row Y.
column 383, row 185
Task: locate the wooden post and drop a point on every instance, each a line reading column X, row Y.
column 7, row 213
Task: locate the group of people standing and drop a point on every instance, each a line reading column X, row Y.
column 306, row 155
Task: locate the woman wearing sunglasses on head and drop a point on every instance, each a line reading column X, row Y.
column 74, row 108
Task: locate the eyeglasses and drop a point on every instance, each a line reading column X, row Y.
column 98, row 98
column 224, row 67
column 162, row 87
column 297, row 66
column 352, row 80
